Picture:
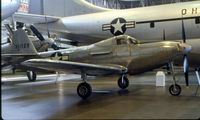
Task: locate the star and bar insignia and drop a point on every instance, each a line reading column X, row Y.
column 118, row 26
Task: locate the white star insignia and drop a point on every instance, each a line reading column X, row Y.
column 118, row 26
column 56, row 57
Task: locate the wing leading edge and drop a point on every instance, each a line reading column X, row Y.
column 34, row 19
column 76, row 67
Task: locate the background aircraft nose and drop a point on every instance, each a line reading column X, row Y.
column 26, row 63
column 185, row 48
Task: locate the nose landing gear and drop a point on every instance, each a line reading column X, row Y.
column 175, row 89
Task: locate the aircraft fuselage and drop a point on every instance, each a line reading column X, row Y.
column 137, row 58
column 146, row 23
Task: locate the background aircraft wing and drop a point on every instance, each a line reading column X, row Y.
column 75, row 67
column 33, row 18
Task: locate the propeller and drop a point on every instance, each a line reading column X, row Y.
column 37, row 33
column 54, row 46
column 164, row 37
column 41, row 38
column 47, row 27
column 185, row 57
column 186, row 69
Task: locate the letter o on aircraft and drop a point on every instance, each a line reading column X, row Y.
column 184, row 11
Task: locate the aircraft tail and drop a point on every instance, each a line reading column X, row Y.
column 68, row 8
column 72, row 7
column 21, row 44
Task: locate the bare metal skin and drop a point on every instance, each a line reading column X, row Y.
column 122, row 51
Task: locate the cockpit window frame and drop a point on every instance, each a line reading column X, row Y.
column 122, row 42
column 125, row 41
column 118, row 41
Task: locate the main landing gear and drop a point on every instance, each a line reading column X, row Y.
column 31, row 75
column 84, row 89
column 123, row 82
column 174, row 89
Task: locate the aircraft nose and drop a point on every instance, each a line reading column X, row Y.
column 27, row 62
column 185, row 48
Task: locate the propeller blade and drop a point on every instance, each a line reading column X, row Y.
column 48, row 34
column 185, row 58
column 186, row 69
column 164, row 37
column 183, row 32
column 37, row 33
column 47, row 27
column 54, row 46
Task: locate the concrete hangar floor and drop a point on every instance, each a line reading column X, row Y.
column 45, row 99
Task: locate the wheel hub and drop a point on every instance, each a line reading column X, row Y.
column 83, row 90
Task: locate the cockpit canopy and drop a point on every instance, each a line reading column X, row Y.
column 118, row 40
column 125, row 39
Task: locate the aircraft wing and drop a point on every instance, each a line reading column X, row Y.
column 33, row 18
column 75, row 67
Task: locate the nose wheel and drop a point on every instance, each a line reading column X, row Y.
column 123, row 82
column 175, row 90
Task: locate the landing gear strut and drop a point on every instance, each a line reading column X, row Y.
column 198, row 79
column 123, row 82
column 84, row 90
column 174, row 89
column 31, row 75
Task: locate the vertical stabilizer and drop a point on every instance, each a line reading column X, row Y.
column 21, row 44
column 70, row 7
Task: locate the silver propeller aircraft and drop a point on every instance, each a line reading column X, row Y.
column 117, row 55
column 19, row 45
column 145, row 23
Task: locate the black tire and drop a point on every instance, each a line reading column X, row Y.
column 84, row 90
column 31, row 76
column 175, row 90
column 123, row 82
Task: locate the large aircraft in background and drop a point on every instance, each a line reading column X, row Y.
column 148, row 24
column 155, row 23
column 9, row 7
column 162, row 22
